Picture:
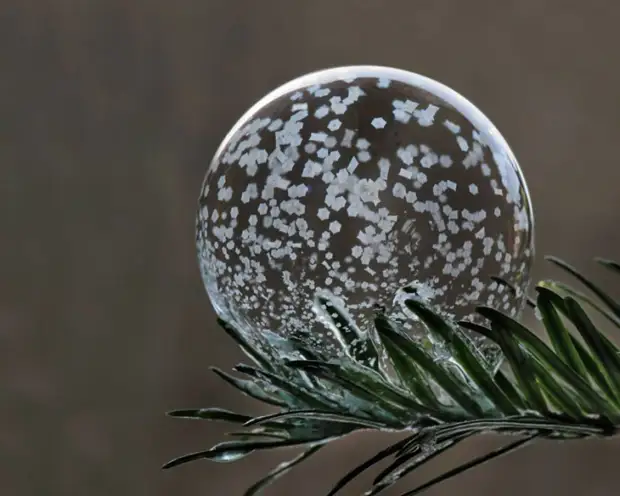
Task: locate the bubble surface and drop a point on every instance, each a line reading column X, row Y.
column 352, row 183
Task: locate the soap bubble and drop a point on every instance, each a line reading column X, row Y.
column 351, row 184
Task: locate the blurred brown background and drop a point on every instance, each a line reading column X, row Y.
column 109, row 113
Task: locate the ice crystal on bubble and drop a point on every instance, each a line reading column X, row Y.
column 354, row 183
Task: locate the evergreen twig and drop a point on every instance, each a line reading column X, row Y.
column 569, row 389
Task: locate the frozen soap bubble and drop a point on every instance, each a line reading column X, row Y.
column 352, row 183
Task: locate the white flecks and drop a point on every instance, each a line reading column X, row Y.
column 250, row 193
column 445, row 161
column 406, row 173
column 426, row 117
column 321, row 112
column 334, row 124
column 399, row 190
column 310, row 148
column 474, row 156
column 378, row 123
column 354, row 93
column 304, row 194
column 320, row 93
column 299, row 106
column 384, row 166
column 363, row 156
column 335, row 226
column 362, row 144
column 338, row 107
column 318, row 137
column 275, row 125
column 225, row 194
column 311, row 169
column 407, row 154
column 298, row 191
column 452, row 127
column 462, row 142
column 403, row 110
column 347, row 139
column 428, row 160
column 352, row 165
column 330, row 142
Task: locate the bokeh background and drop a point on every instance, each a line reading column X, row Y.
column 109, row 113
